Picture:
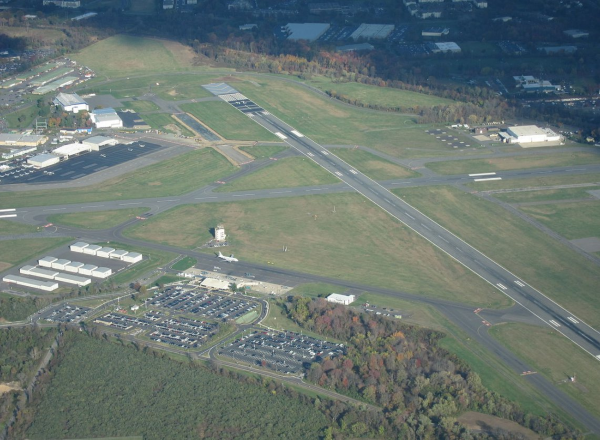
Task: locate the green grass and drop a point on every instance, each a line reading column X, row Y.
column 314, row 290
column 167, row 279
column 152, row 259
column 247, row 318
column 548, row 195
column 371, row 165
column 571, row 220
column 381, row 96
column 534, row 182
column 286, row 173
column 549, row 266
column 264, row 151
column 175, row 176
column 184, row 263
column 15, row 252
column 96, row 219
column 142, row 106
column 358, row 242
column 27, row 115
column 553, row 356
column 513, row 163
column 8, row 227
column 227, row 121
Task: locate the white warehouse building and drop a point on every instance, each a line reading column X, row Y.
column 106, row 118
column 48, row 286
column 531, row 133
column 71, row 102
column 43, row 160
column 341, row 299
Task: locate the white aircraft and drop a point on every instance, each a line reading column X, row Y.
column 229, row 259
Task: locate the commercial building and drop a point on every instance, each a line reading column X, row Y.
column 530, row 134
column 305, row 31
column 96, row 142
column 71, row 102
column 372, row 31
column 22, row 140
column 341, row 299
column 69, row 150
column 47, row 286
column 220, row 234
column 37, row 272
column 72, row 279
column 43, row 160
column 16, row 153
column 213, row 283
column 106, row 118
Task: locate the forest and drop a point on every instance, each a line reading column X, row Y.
column 420, row 386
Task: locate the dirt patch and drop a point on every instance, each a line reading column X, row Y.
column 4, row 266
column 184, row 55
column 8, row 386
column 154, row 183
column 174, row 128
column 483, row 422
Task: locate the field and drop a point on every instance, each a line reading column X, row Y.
column 535, row 182
column 285, row 173
column 358, row 242
column 371, row 165
column 374, row 95
column 571, row 220
column 263, row 151
column 175, row 176
column 21, row 118
column 96, row 219
column 558, row 272
column 547, row 195
column 184, row 263
column 164, row 122
column 513, row 163
column 15, row 252
column 141, row 106
column 103, row 389
column 227, row 121
column 556, row 358
column 314, row 290
column 9, row 228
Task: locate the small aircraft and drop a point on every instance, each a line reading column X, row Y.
column 229, row 259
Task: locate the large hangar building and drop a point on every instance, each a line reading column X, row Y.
column 71, row 102
column 527, row 134
column 106, row 118
column 43, row 160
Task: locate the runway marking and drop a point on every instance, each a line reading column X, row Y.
column 325, row 153
column 297, row 133
column 353, row 172
column 310, row 154
column 132, row 203
column 279, row 192
column 502, row 286
column 91, row 206
column 168, row 200
column 573, row 320
column 280, row 136
column 408, row 215
column 242, row 195
column 8, row 210
column 338, row 173
column 8, row 215
column 202, row 198
column 519, row 283
column 554, row 323
column 458, row 249
column 487, row 179
column 425, row 226
column 598, row 357
column 443, row 238
column 316, row 189
column 54, row 209
column 482, row 174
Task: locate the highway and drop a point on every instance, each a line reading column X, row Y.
column 544, row 308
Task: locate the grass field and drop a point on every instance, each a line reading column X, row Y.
column 21, row 118
column 152, row 259
column 535, row 182
column 513, row 163
column 142, row 106
column 314, row 290
column 96, row 220
column 571, row 220
column 9, row 228
column 263, row 151
column 556, row 358
column 175, row 176
column 287, row 173
column 358, row 242
column 15, row 252
column 374, row 95
column 166, row 279
column 184, row 263
column 558, row 272
column 371, row 165
column 227, row 121
column 162, row 121
column 547, row 195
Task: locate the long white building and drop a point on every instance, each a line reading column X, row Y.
column 531, row 134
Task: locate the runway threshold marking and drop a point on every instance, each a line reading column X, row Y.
column 487, row 179
column 573, row 320
column 554, row 323
column 8, row 210
column 517, row 282
column 280, row 136
column 310, row 154
column 8, row 215
column 502, row 286
column 297, row 133
column 338, row 174
column 325, row 153
column 353, row 172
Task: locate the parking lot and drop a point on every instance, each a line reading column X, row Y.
column 67, row 313
column 202, row 303
column 76, row 166
column 180, row 332
column 448, row 139
column 285, row 352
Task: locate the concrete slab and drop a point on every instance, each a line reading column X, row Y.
column 588, row 244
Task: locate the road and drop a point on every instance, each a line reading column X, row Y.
column 538, row 304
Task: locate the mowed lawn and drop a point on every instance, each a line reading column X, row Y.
column 548, row 195
column 382, row 96
column 229, row 122
column 96, row 220
column 264, row 151
column 551, row 354
column 571, row 220
column 546, row 264
column 285, row 173
column 14, row 252
column 141, row 106
column 535, row 182
column 357, row 242
column 513, row 163
column 371, row 165
column 8, row 227
column 175, row 176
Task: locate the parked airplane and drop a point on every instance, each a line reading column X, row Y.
column 229, row 259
